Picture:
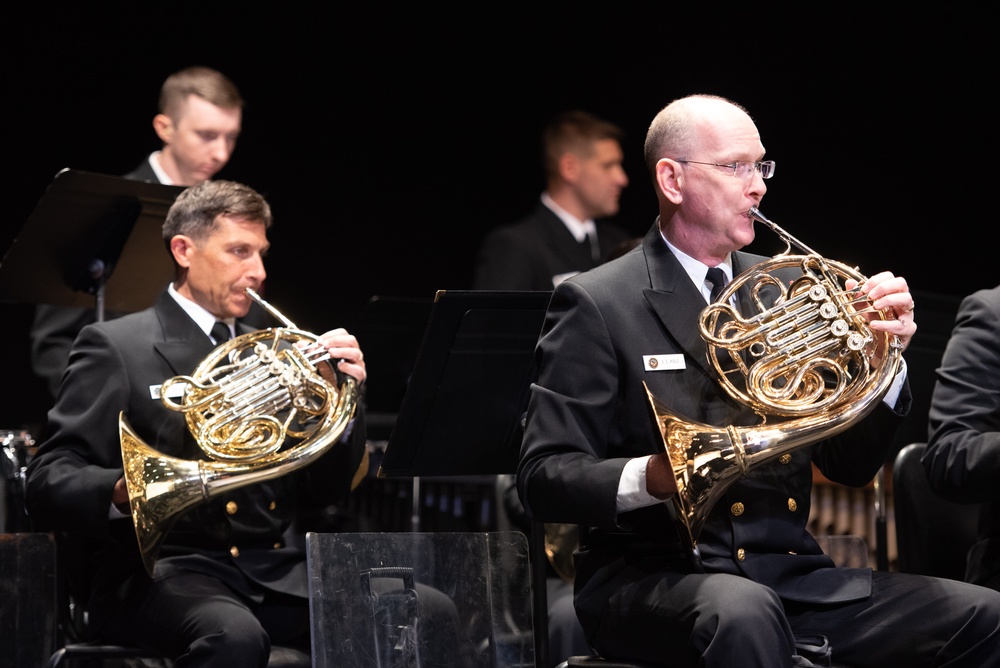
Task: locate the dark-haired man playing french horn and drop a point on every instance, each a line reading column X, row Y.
column 225, row 585
column 746, row 585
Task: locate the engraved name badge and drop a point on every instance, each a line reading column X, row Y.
column 663, row 362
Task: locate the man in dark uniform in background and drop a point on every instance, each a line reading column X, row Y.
column 567, row 232
column 199, row 120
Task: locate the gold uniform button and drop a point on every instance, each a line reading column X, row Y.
column 231, row 507
column 737, row 509
column 272, row 505
column 785, row 458
column 741, row 554
column 792, row 505
column 235, row 551
column 277, row 546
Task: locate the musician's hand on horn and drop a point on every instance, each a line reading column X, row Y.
column 344, row 347
column 119, row 497
column 885, row 291
column 660, row 480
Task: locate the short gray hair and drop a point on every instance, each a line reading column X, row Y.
column 196, row 209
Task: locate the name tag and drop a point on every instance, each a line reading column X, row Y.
column 663, row 362
column 176, row 391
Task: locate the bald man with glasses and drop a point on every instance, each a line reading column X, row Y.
column 746, row 585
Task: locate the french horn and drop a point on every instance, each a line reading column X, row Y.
column 806, row 364
column 241, row 404
column 560, row 541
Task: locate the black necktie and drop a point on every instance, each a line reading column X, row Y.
column 595, row 246
column 220, row 332
column 717, row 278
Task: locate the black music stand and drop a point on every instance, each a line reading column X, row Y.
column 461, row 414
column 92, row 240
column 469, row 387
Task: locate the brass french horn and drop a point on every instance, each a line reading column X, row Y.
column 560, row 541
column 241, row 404
column 807, row 361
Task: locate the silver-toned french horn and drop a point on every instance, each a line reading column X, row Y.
column 808, row 361
column 241, row 404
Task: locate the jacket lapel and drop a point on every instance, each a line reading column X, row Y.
column 678, row 303
column 561, row 241
column 184, row 345
column 673, row 298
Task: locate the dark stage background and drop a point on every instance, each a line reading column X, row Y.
column 390, row 141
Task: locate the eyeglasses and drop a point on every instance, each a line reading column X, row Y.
column 742, row 170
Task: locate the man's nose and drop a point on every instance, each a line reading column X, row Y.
column 256, row 269
column 757, row 183
column 222, row 149
column 622, row 177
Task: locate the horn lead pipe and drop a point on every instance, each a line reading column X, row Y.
column 755, row 214
column 270, row 309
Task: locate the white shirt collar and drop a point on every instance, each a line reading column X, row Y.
column 203, row 318
column 161, row 176
column 698, row 271
column 578, row 228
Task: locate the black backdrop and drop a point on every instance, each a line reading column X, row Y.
column 389, row 141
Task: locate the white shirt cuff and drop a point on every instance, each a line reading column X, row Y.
column 632, row 492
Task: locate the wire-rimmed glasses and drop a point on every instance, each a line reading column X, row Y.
column 742, row 169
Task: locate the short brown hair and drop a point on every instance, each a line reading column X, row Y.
column 208, row 84
column 574, row 131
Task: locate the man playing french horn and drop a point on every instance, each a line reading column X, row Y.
column 211, row 581
column 681, row 435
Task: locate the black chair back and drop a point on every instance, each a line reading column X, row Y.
column 933, row 534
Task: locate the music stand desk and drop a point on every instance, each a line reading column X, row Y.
column 469, row 387
column 91, row 237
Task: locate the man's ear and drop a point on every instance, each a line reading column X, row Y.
column 164, row 127
column 670, row 179
column 181, row 247
column 569, row 167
